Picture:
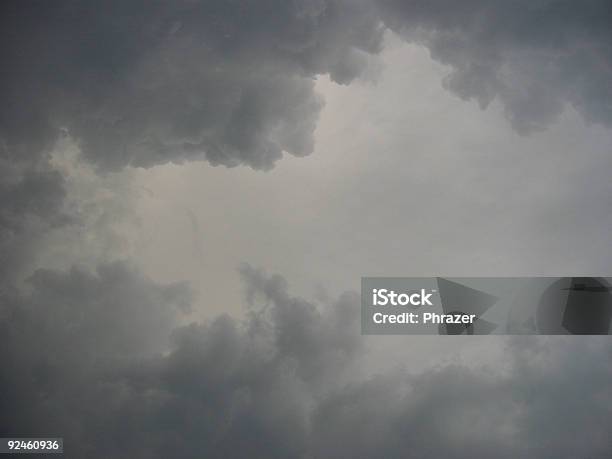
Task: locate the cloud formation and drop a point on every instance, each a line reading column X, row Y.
column 143, row 84
column 31, row 199
column 81, row 359
column 534, row 57
column 61, row 340
column 232, row 82
column 85, row 355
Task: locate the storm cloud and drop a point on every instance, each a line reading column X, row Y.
column 71, row 327
column 111, row 360
column 536, row 58
column 82, row 359
column 31, row 204
column 143, row 83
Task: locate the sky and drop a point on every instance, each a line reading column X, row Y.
column 191, row 192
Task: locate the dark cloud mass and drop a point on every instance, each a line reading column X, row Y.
column 31, row 200
column 70, row 328
column 144, row 83
column 105, row 359
column 533, row 56
column 81, row 358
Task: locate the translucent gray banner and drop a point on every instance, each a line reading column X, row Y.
column 486, row 305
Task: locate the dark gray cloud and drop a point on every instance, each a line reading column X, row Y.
column 459, row 411
column 79, row 360
column 62, row 338
column 31, row 200
column 84, row 355
column 535, row 57
column 143, row 83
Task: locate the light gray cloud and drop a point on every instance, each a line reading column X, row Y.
column 456, row 411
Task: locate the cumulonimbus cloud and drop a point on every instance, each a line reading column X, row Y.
column 534, row 57
column 140, row 83
column 83, row 357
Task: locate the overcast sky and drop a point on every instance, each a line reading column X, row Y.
column 191, row 192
